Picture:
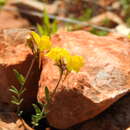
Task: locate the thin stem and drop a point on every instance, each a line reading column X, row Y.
column 61, row 74
column 18, row 106
column 26, row 77
column 30, row 68
column 60, row 78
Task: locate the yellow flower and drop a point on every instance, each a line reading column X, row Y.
column 75, row 63
column 43, row 43
column 71, row 62
column 58, row 54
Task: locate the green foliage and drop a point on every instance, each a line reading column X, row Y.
column 86, row 15
column 38, row 116
column 47, row 94
column 17, row 93
column 106, row 22
column 47, row 28
column 125, row 3
column 19, row 77
column 98, row 32
column 42, row 111
column 126, row 9
column 63, row 59
column 2, row 2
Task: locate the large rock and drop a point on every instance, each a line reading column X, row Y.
column 104, row 78
column 15, row 54
column 117, row 117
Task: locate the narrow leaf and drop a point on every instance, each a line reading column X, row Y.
column 47, row 94
column 40, row 29
column 19, row 77
column 46, row 20
column 14, row 90
column 21, row 100
column 37, row 109
column 54, row 27
column 14, row 102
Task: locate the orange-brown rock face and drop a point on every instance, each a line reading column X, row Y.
column 10, row 121
column 104, row 78
column 9, row 19
column 117, row 117
column 14, row 54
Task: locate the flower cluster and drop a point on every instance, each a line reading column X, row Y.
column 43, row 43
column 61, row 56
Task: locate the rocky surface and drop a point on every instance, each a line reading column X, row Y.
column 117, row 117
column 104, row 78
column 14, row 54
column 9, row 121
column 10, row 18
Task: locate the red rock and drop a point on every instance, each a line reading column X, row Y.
column 12, row 19
column 115, row 118
column 104, row 78
column 10, row 121
column 14, row 54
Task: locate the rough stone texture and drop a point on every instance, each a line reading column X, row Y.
column 14, row 54
column 9, row 121
column 117, row 117
column 11, row 18
column 104, row 78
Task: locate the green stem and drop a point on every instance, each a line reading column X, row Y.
column 61, row 74
column 18, row 106
column 26, row 77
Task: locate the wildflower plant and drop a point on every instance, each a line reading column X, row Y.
column 41, row 109
column 65, row 62
column 47, row 28
column 17, row 93
column 42, row 45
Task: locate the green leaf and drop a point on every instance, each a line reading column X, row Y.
column 37, row 109
column 46, row 19
column 36, row 118
column 14, row 98
column 2, row 2
column 40, row 29
column 21, row 100
column 47, row 94
column 15, row 102
column 14, row 90
column 19, row 77
column 54, row 27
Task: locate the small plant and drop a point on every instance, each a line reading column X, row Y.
column 98, row 32
column 63, row 60
column 126, row 9
column 41, row 45
column 17, row 93
column 41, row 109
column 87, row 15
column 2, row 2
column 47, row 28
